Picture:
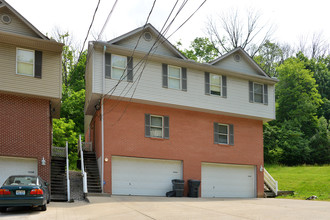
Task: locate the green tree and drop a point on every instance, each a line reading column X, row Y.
column 297, row 96
column 73, row 109
column 320, row 143
column 200, row 50
column 63, row 130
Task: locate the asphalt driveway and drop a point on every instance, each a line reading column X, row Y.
column 130, row 207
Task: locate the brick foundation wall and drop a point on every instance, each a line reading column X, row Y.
column 191, row 139
column 25, row 130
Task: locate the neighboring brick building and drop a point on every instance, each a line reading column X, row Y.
column 30, row 94
column 173, row 118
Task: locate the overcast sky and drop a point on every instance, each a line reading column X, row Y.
column 292, row 19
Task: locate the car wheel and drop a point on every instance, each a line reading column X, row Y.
column 3, row 209
column 43, row 207
column 48, row 200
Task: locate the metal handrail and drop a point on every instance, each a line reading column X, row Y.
column 83, row 173
column 271, row 182
column 67, row 170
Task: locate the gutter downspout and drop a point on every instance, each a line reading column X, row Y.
column 102, row 121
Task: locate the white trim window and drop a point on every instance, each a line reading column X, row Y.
column 174, row 77
column 223, row 133
column 215, row 84
column 258, row 93
column 118, row 67
column 156, row 126
column 25, row 62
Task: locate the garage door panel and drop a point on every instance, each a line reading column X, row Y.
column 17, row 166
column 223, row 180
column 140, row 176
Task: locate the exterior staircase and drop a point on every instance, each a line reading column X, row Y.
column 58, row 179
column 91, row 168
column 270, row 186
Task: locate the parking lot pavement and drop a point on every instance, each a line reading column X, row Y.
column 138, row 207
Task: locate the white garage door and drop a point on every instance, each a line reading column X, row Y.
column 17, row 166
column 224, row 180
column 139, row 176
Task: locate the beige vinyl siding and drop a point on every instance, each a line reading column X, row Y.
column 48, row 86
column 16, row 26
column 231, row 65
column 237, row 102
column 98, row 68
column 145, row 45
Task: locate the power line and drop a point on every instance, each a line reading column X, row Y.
column 106, row 21
column 153, row 49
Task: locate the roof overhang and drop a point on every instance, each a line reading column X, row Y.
column 30, row 42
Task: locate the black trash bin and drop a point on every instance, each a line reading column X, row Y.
column 178, row 187
column 193, row 188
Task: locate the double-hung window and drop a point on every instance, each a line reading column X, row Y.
column 223, row 133
column 215, row 85
column 118, row 67
column 174, row 77
column 28, row 62
column 156, row 126
column 258, row 93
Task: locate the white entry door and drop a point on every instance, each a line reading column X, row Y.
column 17, row 166
column 140, row 176
column 225, row 180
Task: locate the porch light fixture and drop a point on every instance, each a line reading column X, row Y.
column 261, row 168
column 43, row 161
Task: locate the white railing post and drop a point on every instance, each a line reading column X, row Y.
column 83, row 173
column 67, row 170
column 271, row 182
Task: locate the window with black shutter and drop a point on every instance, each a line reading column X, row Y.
column 157, row 126
column 223, row 133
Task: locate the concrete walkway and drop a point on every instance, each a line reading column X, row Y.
column 130, row 207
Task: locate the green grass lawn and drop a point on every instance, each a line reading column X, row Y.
column 305, row 181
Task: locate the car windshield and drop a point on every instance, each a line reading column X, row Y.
column 22, row 181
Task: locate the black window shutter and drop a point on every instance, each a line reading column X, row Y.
column 37, row 64
column 207, row 83
column 216, row 132
column 231, row 134
column 107, row 65
column 250, row 91
column 129, row 69
column 265, row 94
column 165, row 79
column 184, row 78
column 147, row 124
column 166, row 127
column 224, row 86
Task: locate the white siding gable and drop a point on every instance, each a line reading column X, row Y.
column 145, row 46
column 242, row 66
column 16, row 26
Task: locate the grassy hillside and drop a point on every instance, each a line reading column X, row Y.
column 304, row 180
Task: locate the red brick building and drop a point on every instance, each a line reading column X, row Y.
column 30, row 94
column 173, row 118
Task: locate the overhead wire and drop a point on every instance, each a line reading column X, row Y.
column 152, row 49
